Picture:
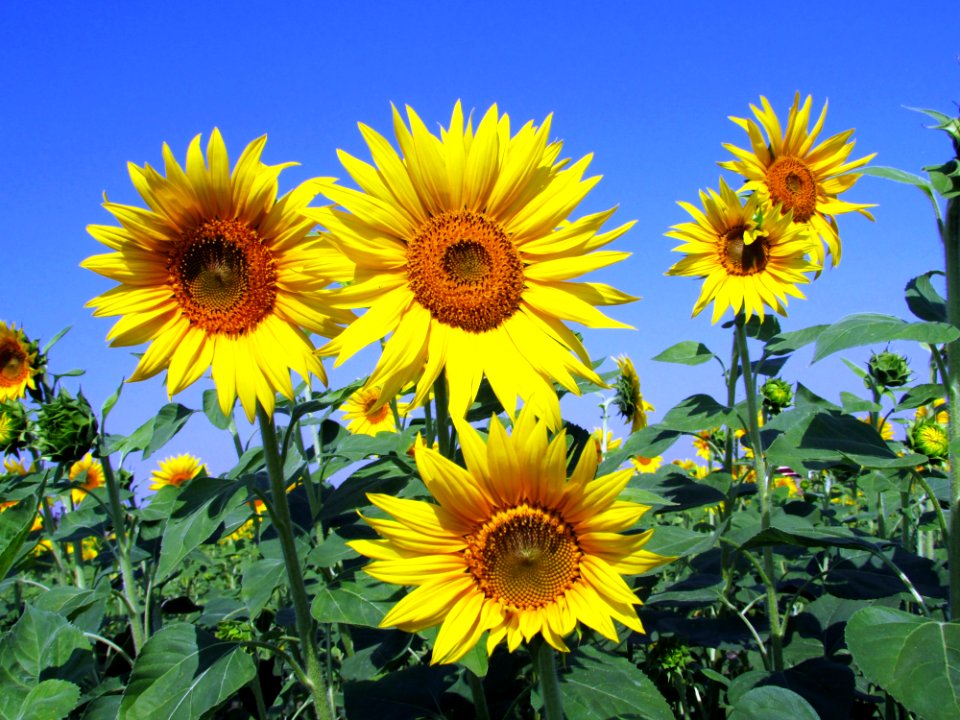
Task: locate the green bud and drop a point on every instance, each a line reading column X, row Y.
column 13, row 427
column 930, row 438
column 888, row 370
column 777, row 395
column 66, row 427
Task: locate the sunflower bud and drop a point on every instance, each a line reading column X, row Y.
column 930, row 438
column 777, row 395
column 13, row 427
column 888, row 370
column 629, row 400
column 66, row 427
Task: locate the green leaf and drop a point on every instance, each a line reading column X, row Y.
column 363, row 602
column 211, row 408
column 601, row 686
column 258, row 583
column 914, row 659
column 48, row 700
column 923, row 299
column 155, row 432
column 184, row 672
column 15, row 524
column 54, row 340
column 895, row 174
column 790, row 341
column 199, row 510
column 770, row 702
column 873, row 328
column 854, row 404
column 688, row 352
column 695, row 413
column 110, row 402
column 921, row 395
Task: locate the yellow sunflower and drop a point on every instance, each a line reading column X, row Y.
column 465, row 256
column 747, row 259
column 787, row 170
column 176, row 470
column 366, row 415
column 218, row 272
column 16, row 363
column 513, row 547
column 94, row 478
column 629, row 400
column 645, row 465
column 16, row 466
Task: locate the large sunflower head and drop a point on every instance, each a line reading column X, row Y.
column 785, row 168
column 512, row 547
column 749, row 255
column 218, row 272
column 18, row 363
column 465, row 256
column 366, row 415
column 176, row 470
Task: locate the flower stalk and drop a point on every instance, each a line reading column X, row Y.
column 546, row 661
column 951, row 244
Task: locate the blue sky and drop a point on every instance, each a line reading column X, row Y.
column 645, row 87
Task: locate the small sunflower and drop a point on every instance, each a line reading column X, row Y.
column 629, row 400
column 645, row 465
column 176, row 470
column 366, row 415
column 930, row 438
column 94, row 477
column 16, row 466
column 466, row 258
column 747, row 259
column 513, row 547
column 785, row 169
column 218, row 273
column 17, row 363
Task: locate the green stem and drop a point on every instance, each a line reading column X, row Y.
column 280, row 516
column 944, row 531
column 546, row 661
column 951, row 243
column 479, row 697
column 443, row 424
column 130, row 591
column 763, row 486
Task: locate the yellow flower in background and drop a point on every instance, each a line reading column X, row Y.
column 605, row 444
column 749, row 256
column 466, row 258
column 646, row 465
column 16, row 466
column 218, row 273
column 885, row 430
column 366, row 415
column 512, row 546
column 94, row 477
column 17, row 369
column 701, row 443
column 246, row 530
column 784, row 168
column 695, row 470
column 176, row 470
column 629, row 400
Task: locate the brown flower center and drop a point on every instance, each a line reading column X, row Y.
column 738, row 258
column 13, row 363
column 524, row 557
column 793, row 186
column 223, row 277
column 375, row 416
column 464, row 269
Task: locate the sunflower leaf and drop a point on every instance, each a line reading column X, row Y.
column 874, row 328
column 688, row 352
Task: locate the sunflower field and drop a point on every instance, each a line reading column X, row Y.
column 436, row 540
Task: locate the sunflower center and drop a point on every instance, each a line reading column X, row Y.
column 793, row 186
column 739, row 258
column 13, row 363
column 465, row 270
column 378, row 415
column 223, row 277
column 524, row 557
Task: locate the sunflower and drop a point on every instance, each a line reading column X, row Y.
column 17, row 363
column 748, row 259
column 16, row 466
column 629, row 400
column 176, row 470
column 218, row 272
column 513, row 547
column 94, row 477
column 465, row 256
column 366, row 415
column 787, row 170
column 644, row 465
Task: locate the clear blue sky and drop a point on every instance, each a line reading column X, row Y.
column 646, row 87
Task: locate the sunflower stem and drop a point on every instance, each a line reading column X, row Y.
column 549, row 681
column 479, row 697
column 951, row 244
column 443, row 415
column 119, row 517
column 763, row 486
column 313, row 677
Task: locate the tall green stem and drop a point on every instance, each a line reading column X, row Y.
column 131, row 592
column 546, row 660
column 280, row 516
column 951, row 244
column 763, row 488
column 444, row 428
